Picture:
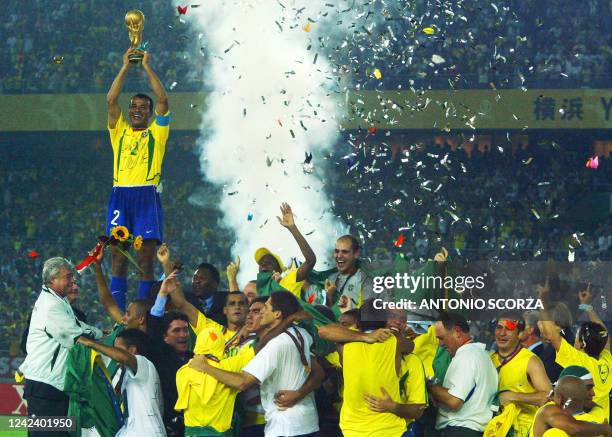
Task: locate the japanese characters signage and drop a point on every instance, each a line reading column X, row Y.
column 438, row 110
column 481, row 109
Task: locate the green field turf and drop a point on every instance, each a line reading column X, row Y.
column 5, row 432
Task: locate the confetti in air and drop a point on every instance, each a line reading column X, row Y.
column 593, row 162
column 268, row 108
column 399, row 242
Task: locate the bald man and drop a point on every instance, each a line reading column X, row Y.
column 570, row 397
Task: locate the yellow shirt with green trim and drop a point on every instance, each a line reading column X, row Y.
column 204, row 322
column 413, row 389
column 600, row 369
column 138, row 153
column 425, row 347
column 290, row 283
column 513, row 377
column 366, row 368
column 218, row 411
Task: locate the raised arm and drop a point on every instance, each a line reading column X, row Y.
column 161, row 105
column 586, row 304
column 232, row 273
column 163, row 256
column 339, row 334
column 116, row 354
column 172, row 287
column 110, row 306
column 112, row 98
column 310, row 258
column 549, row 330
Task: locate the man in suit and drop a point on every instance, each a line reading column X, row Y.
column 205, row 294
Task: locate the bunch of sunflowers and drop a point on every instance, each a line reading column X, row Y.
column 121, row 239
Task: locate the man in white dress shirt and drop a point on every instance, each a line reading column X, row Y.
column 464, row 399
column 282, row 365
column 53, row 331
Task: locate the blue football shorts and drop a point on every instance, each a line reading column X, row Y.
column 138, row 209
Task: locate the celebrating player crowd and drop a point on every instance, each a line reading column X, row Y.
column 259, row 361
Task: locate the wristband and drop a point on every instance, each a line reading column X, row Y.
column 585, row 307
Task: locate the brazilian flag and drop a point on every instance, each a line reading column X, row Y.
column 109, row 340
column 93, row 401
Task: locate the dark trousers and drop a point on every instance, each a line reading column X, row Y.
column 312, row 434
column 458, row 431
column 253, row 431
column 45, row 400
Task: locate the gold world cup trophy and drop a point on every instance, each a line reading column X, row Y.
column 134, row 20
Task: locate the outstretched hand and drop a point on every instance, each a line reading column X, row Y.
column 170, row 284
column 586, row 296
column 163, row 253
column 233, row 267
column 126, row 57
column 543, row 290
column 100, row 256
column 287, row 220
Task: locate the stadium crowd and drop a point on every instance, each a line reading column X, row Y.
column 532, row 46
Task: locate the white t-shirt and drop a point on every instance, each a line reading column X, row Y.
column 144, row 401
column 278, row 367
column 471, row 377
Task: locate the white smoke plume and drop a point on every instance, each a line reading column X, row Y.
column 270, row 103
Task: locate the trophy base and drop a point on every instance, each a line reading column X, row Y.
column 135, row 59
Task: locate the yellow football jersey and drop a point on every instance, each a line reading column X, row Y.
column 513, row 377
column 138, row 154
column 599, row 368
column 412, row 382
column 367, row 368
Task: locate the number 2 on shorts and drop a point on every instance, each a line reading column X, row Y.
column 116, row 213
